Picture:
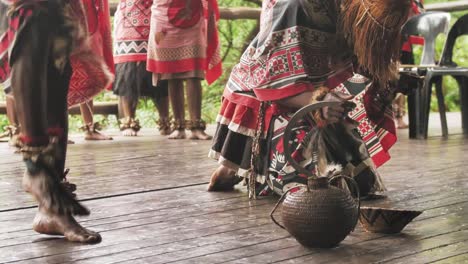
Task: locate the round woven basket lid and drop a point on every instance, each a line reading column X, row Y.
column 185, row 13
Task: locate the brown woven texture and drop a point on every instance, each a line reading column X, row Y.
column 321, row 217
column 383, row 220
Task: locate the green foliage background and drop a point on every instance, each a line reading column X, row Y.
column 234, row 37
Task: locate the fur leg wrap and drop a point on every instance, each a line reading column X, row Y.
column 43, row 181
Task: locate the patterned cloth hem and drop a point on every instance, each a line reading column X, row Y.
column 129, row 58
column 176, row 66
column 235, row 127
column 223, row 161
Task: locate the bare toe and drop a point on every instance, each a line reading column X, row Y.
column 200, row 134
column 76, row 233
column 82, row 235
column 96, row 136
column 129, row 133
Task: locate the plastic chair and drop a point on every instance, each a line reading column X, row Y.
column 427, row 25
column 448, row 67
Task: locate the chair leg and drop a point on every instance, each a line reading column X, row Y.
column 413, row 116
column 425, row 106
column 463, row 86
column 441, row 104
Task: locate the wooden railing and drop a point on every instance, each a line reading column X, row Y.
column 233, row 13
column 448, row 6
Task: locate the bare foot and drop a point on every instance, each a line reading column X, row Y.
column 400, row 123
column 95, row 135
column 70, row 142
column 64, row 225
column 177, row 134
column 129, row 132
column 223, row 179
column 199, row 134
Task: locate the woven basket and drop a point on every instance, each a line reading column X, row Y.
column 385, row 220
column 320, row 217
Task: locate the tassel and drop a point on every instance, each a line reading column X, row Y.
column 256, row 151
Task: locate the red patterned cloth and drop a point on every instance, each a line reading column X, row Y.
column 10, row 28
column 376, row 129
column 184, row 38
column 356, row 156
column 213, row 50
column 417, row 8
column 131, row 30
column 92, row 62
column 289, row 56
column 292, row 55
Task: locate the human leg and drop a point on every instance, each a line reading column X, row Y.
column 129, row 125
column 40, row 87
column 162, row 105
column 161, row 101
column 91, row 128
column 399, row 105
column 194, row 96
column 176, row 95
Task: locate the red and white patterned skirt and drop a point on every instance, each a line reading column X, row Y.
column 236, row 123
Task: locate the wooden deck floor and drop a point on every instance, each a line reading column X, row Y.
column 148, row 200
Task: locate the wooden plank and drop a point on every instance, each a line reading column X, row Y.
column 142, row 222
column 189, row 254
column 99, row 108
column 149, row 249
column 359, row 249
column 121, row 239
column 440, row 252
column 234, row 13
column 103, row 216
column 117, row 170
column 461, row 258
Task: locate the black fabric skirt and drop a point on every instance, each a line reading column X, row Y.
column 233, row 150
column 230, row 148
column 133, row 81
